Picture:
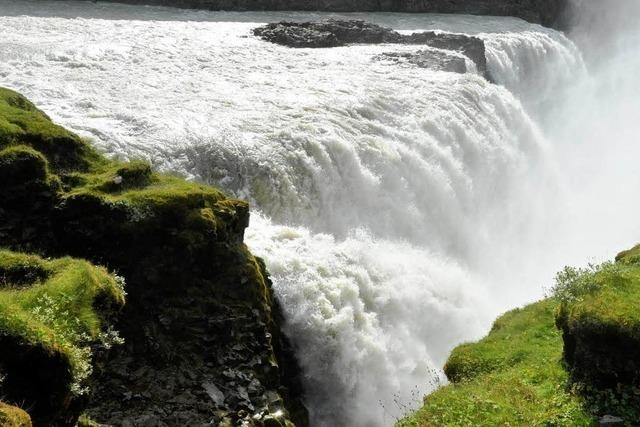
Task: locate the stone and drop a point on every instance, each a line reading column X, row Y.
column 432, row 60
column 610, row 421
column 214, row 393
column 333, row 33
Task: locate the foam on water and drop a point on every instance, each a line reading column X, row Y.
column 398, row 209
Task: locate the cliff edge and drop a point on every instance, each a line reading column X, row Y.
column 202, row 343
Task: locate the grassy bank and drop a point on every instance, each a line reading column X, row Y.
column 564, row 361
column 513, row 377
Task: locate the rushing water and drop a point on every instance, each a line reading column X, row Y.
column 398, row 209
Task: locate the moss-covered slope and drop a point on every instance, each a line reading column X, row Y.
column 564, row 361
column 11, row 416
column 513, row 377
column 200, row 323
column 51, row 314
column 600, row 322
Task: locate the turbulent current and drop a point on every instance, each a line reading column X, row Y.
column 398, row 209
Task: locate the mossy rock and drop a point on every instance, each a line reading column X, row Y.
column 51, row 313
column 601, row 333
column 179, row 245
column 629, row 257
column 22, row 123
column 512, row 377
column 27, row 185
column 12, row 416
column 601, row 328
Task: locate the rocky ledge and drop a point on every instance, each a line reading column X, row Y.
column 334, row 33
column 202, row 343
column 433, row 60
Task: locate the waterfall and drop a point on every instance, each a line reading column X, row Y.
column 398, row 209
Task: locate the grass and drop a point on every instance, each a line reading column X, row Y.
column 608, row 296
column 512, row 377
column 166, row 235
column 11, row 416
column 57, row 309
column 600, row 321
column 560, row 362
column 613, row 301
column 22, row 123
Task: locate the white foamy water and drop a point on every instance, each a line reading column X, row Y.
column 398, row 209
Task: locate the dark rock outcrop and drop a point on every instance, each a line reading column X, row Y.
column 432, row 60
column 546, row 12
column 471, row 47
column 329, row 33
column 201, row 325
column 333, row 33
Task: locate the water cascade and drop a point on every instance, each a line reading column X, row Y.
column 398, row 209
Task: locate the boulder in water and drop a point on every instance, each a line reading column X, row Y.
column 328, row 33
column 430, row 59
column 333, row 33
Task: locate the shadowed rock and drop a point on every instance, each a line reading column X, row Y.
column 334, row 33
column 429, row 59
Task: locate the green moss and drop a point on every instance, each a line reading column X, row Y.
column 513, row 377
column 612, row 303
column 173, row 240
column 17, row 269
column 22, row 123
column 12, row 416
column 49, row 319
column 600, row 321
column 57, row 311
column 631, row 256
column 86, row 421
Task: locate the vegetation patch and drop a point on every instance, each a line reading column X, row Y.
column 48, row 326
column 563, row 361
column 180, row 247
column 512, row 377
column 12, row 416
column 599, row 317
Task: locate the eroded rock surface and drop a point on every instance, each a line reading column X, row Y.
column 429, row 59
column 334, row 33
column 201, row 325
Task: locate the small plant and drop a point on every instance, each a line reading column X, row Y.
column 121, row 284
column 110, row 337
column 572, row 284
column 405, row 405
column 620, row 401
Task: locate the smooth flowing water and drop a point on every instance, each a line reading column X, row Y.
column 399, row 209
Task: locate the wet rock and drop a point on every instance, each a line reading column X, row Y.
column 471, row 47
column 329, row 33
column 298, row 36
column 334, row 33
column 432, row 60
column 214, row 393
column 199, row 304
column 610, row 421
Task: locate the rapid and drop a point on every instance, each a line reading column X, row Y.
column 398, row 209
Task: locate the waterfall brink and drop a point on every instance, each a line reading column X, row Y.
column 398, row 209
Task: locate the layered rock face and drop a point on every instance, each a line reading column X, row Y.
column 546, row 12
column 201, row 326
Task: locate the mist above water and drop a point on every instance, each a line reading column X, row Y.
column 399, row 209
